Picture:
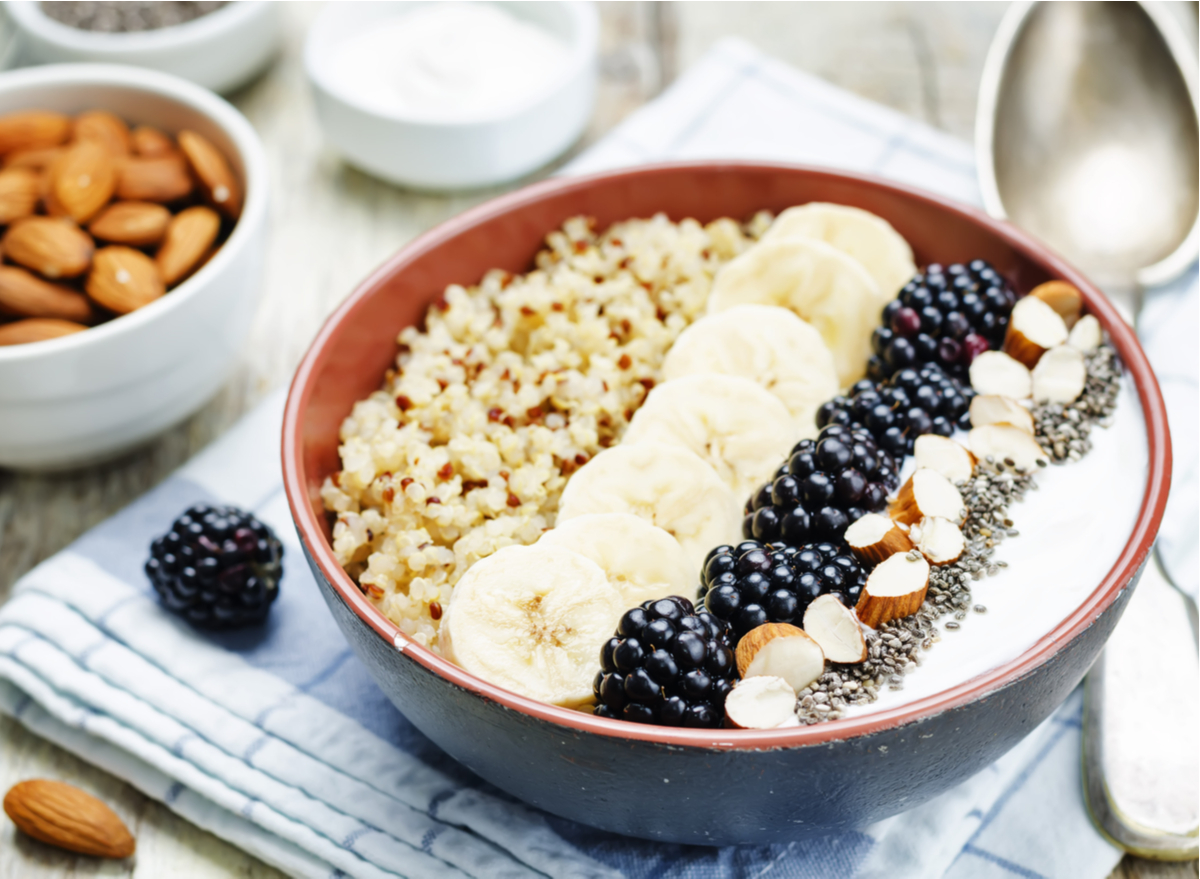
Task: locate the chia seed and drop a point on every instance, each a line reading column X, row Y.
column 109, row 17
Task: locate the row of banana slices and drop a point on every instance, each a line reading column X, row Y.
column 789, row 322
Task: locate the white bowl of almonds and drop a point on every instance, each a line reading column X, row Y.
column 133, row 210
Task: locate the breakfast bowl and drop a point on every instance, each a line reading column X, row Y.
column 221, row 50
column 89, row 396
column 432, row 150
column 702, row 786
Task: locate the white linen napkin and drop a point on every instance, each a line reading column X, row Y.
column 278, row 741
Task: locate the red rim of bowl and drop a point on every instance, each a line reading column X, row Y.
column 1132, row 556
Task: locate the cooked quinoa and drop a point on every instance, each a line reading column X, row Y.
column 511, row 386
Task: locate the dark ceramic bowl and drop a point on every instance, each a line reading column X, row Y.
column 693, row 786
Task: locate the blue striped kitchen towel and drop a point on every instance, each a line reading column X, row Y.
column 278, row 741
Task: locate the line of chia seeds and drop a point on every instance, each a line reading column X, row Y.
column 895, row 648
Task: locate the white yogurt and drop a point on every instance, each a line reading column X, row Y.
column 447, row 62
column 1072, row 529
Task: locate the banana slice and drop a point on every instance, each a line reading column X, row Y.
column 666, row 485
column 532, row 619
column 642, row 561
column 819, row 283
column 735, row 425
column 768, row 344
column 870, row 239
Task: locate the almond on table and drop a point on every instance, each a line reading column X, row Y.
column 53, row 248
column 136, row 223
column 123, row 279
column 189, row 237
column 64, row 816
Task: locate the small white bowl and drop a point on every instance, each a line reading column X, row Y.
column 92, row 395
column 455, row 155
column 220, row 51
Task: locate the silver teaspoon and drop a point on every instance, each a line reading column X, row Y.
column 1086, row 135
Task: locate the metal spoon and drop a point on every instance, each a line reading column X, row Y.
column 1086, row 135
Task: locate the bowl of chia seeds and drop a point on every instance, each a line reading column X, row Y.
column 218, row 45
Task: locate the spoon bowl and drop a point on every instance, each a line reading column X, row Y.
column 1087, row 136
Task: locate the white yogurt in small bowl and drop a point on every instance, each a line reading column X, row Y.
column 452, row 95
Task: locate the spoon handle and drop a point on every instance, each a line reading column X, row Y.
column 1141, row 722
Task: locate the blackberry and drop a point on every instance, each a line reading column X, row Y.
column 912, row 402
column 825, row 485
column 946, row 316
column 218, row 567
column 666, row 664
column 755, row 583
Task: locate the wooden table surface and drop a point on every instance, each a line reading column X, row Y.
column 330, row 225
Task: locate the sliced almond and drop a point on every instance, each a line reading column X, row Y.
column 84, row 180
column 216, row 178
column 24, row 293
column 136, row 223
column 20, row 189
column 895, row 589
column 994, row 372
column 761, row 702
column 37, row 329
column 1086, row 335
column 945, row 456
column 927, row 493
column 940, row 540
column 1059, row 376
column 780, row 650
column 36, row 159
column 1001, row 442
column 52, row 248
column 836, row 630
column 105, row 128
column 872, row 538
column 30, row 129
column 1063, row 297
column 65, row 816
column 1033, row 328
column 123, row 279
column 190, row 235
column 164, row 179
column 995, row 409
column 151, row 143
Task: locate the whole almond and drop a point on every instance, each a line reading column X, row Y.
column 84, row 179
column 123, row 279
column 189, row 237
column 216, row 178
column 32, row 128
column 37, row 158
column 37, row 329
column 164, row 179
column 24, row 293
column 151, row 143
column 20, row 189
column 104, row 128
column 52, row 248
column 136, row 223
column 65, row 816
